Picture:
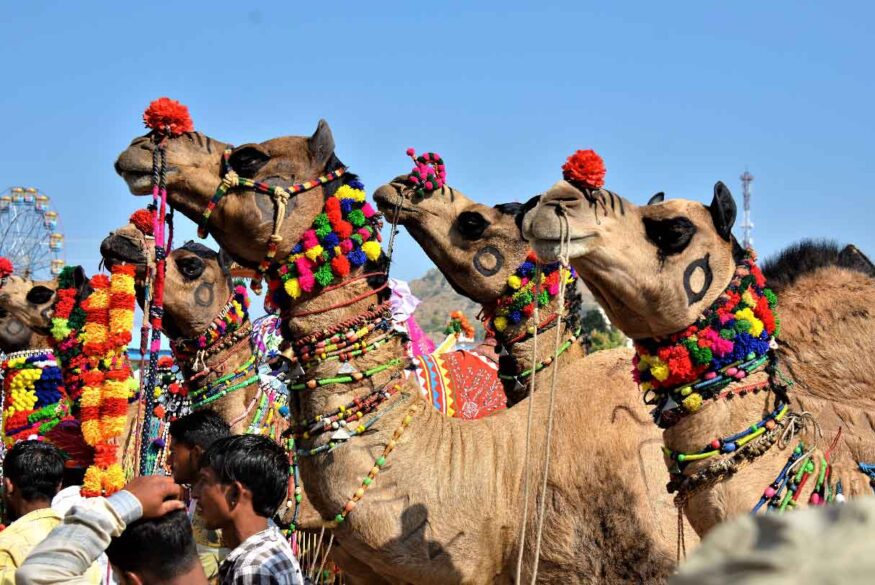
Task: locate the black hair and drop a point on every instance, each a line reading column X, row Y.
column 158, row 548
column 255, row 461
column 35, row 468
column 796, row 260
column 201, row 428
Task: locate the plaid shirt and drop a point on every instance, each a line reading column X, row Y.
column 265, row 558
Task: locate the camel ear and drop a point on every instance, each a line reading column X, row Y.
column 81, row 283
column 247, row 159
column 321, row 144
column 723, row 210
column 853, row 258
column 225, row 261
column 658, row 198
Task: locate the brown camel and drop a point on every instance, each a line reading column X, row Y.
column 16, row 336
column 655, row 269
column 443, row 500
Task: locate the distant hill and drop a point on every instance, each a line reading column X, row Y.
column 439, row 300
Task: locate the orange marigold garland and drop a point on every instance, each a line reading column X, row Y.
column 585, row 169
column 108, row 382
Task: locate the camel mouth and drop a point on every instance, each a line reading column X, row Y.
column 120, row 250
column 137, row 173
column 390, row 200
column 551, row 249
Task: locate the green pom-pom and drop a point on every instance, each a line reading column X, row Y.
column 727, row 334
column 324, row 275
column 543, row 298
column 702, row 355
column 356, row 238
column 742, row 325
column 356, row 218
column 771, row 297
column 321, row 221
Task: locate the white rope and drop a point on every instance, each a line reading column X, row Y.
column 563, row 262
column 526, row 481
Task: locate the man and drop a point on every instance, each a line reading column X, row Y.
column 190, row 436
column 241, row 483
column 32, row 473
column 143, row 529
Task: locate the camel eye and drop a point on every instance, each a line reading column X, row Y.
column 191, row 267
column 471, row 225
column 39, row 295
column 671, row 235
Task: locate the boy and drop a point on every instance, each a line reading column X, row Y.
column 241, row 483
column 32, row 473
column 143, row 528
column 190, row 436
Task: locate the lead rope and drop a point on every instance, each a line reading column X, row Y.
column 563, row 259
column 526, row 471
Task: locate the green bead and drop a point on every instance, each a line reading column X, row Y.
column 751, row 355
column 292, row 527
column 339, row 518
column 298, row 498
column 809, row 467
column 681, row 457
column 368, row 481
column 380, row 461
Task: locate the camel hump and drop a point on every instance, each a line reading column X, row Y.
column 807, row 256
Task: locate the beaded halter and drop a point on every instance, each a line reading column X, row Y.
column 280, row 196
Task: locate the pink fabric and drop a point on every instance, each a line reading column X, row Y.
column 420, row 343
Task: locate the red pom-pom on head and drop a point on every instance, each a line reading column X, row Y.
column 5, row 267
column 168, row 117
column 142, row 220
column 585, row 168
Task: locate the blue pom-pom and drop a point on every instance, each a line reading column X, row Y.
column 357, row 258
column 159, row 442
column 284, row 410
column 356, row 184
column 515, row 316
column 330, row 241
column 298, row 249
column 526, row 268
column 346, row 205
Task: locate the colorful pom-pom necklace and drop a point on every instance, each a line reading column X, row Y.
column 518, row 303
column 34, row 396
column 343, row 237
column 731, row 340
column 230, row 319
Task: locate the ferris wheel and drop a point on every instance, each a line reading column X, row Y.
column 30, row 236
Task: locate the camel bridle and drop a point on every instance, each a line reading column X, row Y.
column 279, row 195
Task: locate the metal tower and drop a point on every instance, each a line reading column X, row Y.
column 747, row 225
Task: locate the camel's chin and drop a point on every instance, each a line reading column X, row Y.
column 138, row 183
column 552, row 250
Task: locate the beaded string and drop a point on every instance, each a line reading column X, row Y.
column 225, row 385
column 314, row 383
column 546, row 362
column 773, row 492
column 382, row 311
column 869, row 470
column 727, row 444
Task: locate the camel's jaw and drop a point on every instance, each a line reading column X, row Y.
column 118, row 249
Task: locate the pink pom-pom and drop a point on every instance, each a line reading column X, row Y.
column 309, row 239
column 346, row 246
column 411, row 152
column 429, row 186
column 815, row 499
column 414, row 179
column 364, row 233
column 368, row 210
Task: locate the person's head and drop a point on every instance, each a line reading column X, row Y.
column 240, row 477
column 32, row 473
column 157, row 551
column 190, row 436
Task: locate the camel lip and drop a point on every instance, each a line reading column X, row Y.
column 388, row 201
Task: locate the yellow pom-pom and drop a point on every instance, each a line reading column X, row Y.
column 514, row 281
column 113, row 479
column 91, row 484
column 372, row 250
column 645, row 386
column 756, row 326
column 500, row 324
column 347, row 192
column 314, row 252
column 693, row 402
column 659, row 371
column 292, row 288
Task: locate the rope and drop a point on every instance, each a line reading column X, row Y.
column 563, row 259
column 526, row 480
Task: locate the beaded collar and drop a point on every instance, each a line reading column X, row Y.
column 34, row 398
column 731, row 340
column 518, row 302
column 343, row 237
column 230, row 319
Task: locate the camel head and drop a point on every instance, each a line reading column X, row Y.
column 197, row 281
column 475, row 246
column 14, row 334
column 31, row 302
column 242, row 221
column 653, row 268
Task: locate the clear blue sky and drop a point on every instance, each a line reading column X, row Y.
column 674, row 95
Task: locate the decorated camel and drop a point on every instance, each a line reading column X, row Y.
column 441, row 498
column 738, row 437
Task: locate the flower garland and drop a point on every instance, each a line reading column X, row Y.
column 35, row 399
column 519, row 301
column 91, row 338
column 737, row 329
column 459, row 325
column 231, row 318
column 344, row 236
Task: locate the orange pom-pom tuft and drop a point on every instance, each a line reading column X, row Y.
column 142, row 220
column 168, row 116
column 585, row 168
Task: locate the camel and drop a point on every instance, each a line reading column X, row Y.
column 16, row 336
column 443, row 499
column 655, row 269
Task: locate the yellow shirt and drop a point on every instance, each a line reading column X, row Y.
column 21, row 536
column 209, row 545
